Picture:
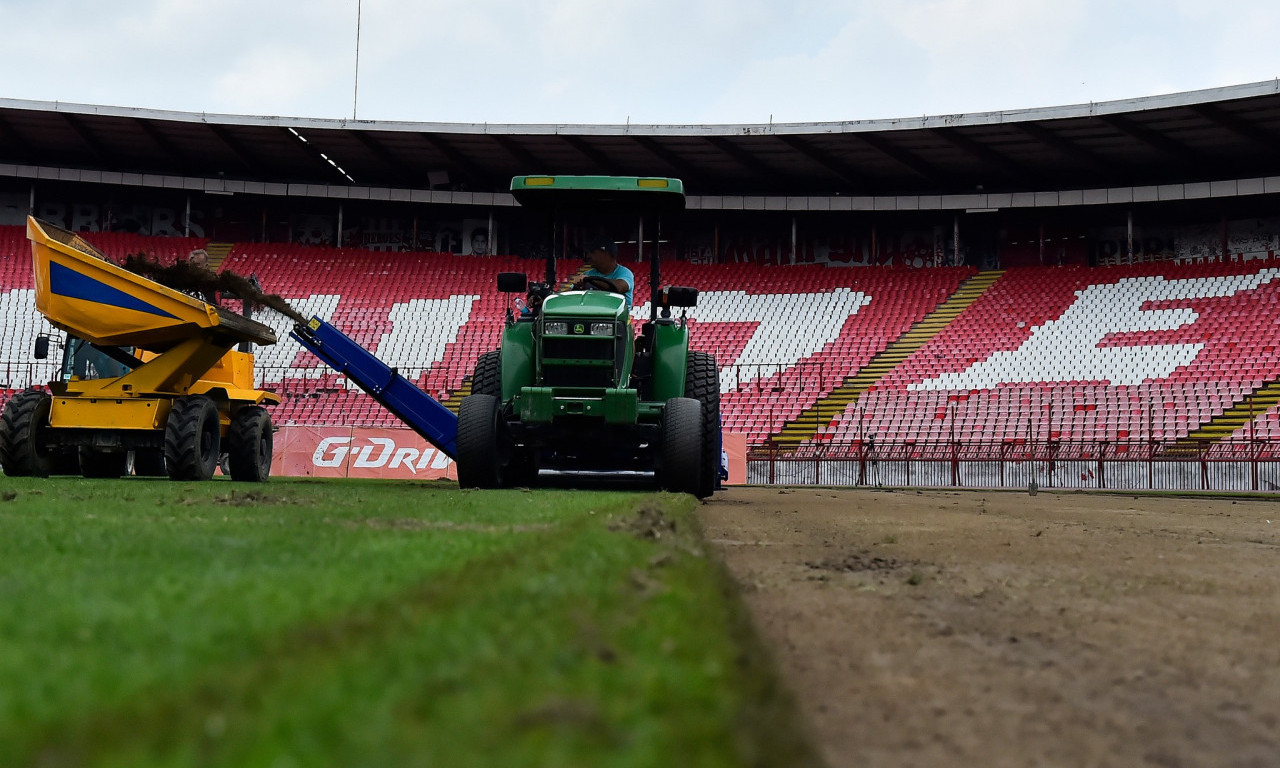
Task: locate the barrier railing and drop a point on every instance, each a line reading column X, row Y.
column 18, row 375
column 1231, row 465
column 801, row 376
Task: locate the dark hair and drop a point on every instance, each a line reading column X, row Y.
column 608, row 246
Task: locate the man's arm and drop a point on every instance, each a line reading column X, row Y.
column 617, row 286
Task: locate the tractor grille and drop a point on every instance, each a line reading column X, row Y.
column 576, row 376
column 585, row 348
column 579, row 347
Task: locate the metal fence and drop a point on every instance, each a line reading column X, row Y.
column 16, row 376
column 1239, row 465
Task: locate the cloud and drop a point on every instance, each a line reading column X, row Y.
column 653, row 61
column 279, row 80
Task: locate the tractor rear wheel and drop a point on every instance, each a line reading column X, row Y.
column 102, row 464
column 25, row 417
column 192, row 438
column 487, row 379
column 479, row 455
column 680, row 457
column 702, row 383
column 250, row 443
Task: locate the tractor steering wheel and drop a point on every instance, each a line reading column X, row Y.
column 599, row 283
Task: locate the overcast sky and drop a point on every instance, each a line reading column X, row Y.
column 614, row 61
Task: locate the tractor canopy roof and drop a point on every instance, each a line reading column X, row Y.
column 599, row 193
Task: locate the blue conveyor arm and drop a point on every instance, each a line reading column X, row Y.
column 397, row 394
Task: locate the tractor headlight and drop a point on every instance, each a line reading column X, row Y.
column 557, row 328
column 602, row 329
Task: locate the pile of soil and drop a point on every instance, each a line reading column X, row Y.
column 190, row 278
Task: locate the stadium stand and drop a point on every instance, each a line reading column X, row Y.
column 1138, row 352
column 786, row 335
column 1264, row 426
column 19, row 321
column 165, row 249
column 428, row 314
column 1151, row 351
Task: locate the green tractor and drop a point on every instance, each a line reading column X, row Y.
column 573, row 388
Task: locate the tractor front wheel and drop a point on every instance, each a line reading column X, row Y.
column 680, row 459
column 25, row 417
column 250, row 445
column 479, row 455
column 192, row 438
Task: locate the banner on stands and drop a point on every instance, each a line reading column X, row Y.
column 358, row 452
column 735, row 456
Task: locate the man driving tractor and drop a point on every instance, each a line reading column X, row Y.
column 603, row 272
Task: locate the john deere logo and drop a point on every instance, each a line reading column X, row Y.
column 579, row 328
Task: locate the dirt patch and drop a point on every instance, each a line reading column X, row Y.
column 249, row 499
column 998, row 629
column 648, row 521
column 855, row 562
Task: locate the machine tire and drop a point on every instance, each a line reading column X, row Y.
column 702, row 383
column 149, row 462
column 102, row 464
column 192, row 438
column 250, row 444
column 25, row 415
column 479, row 456
column 487, row 379
column 680, row 459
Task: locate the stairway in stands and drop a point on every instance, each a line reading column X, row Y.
column 1229, row 421
column 819, row 415
column 218, row 254
column 454, row 400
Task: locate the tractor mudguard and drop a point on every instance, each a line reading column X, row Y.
column 517, row 359
column 670, row 355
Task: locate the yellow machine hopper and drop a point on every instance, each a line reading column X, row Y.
column 176, row 394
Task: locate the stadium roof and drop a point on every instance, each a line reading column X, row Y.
column 1231, row 132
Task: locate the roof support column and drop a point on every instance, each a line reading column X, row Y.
column 1129, row 235
column 955, row 241
column 793, row 239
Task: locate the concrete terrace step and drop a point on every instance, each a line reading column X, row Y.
column 1232, row 419
column 218, row 253
column 819, row 415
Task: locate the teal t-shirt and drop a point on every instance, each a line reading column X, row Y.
column 619, row 273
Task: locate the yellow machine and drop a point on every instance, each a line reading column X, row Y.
column 147, row 371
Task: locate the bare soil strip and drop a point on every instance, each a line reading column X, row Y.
column 940, row 628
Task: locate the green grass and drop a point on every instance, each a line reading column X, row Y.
column 316, row 623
